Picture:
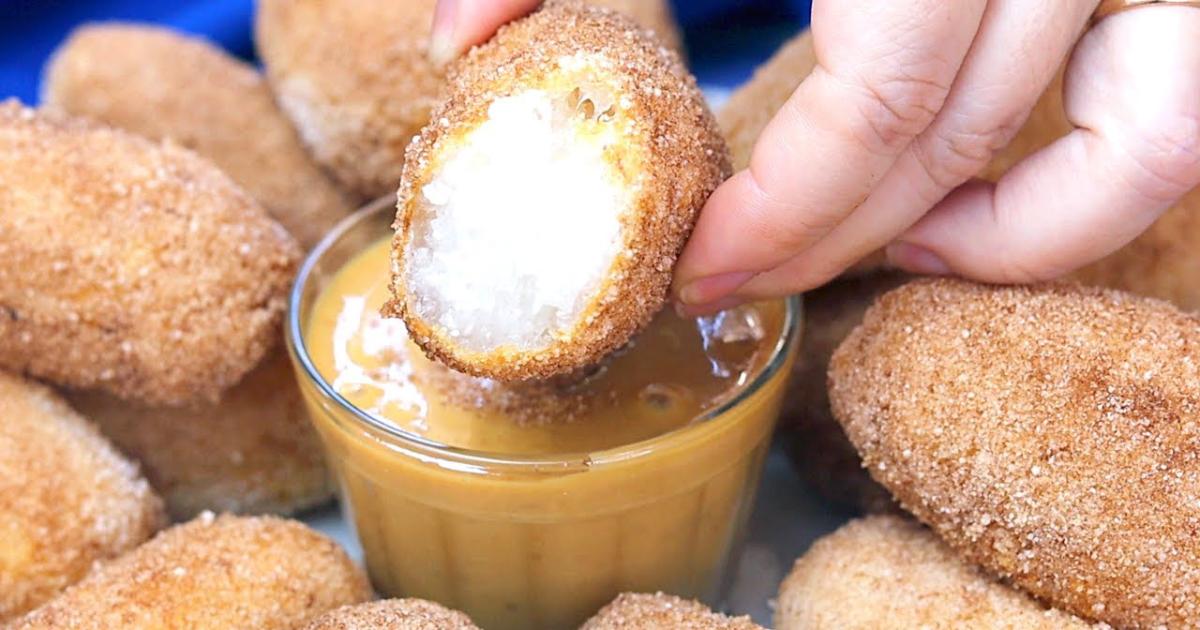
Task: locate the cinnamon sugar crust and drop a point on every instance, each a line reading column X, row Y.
column 355, row 79
column 130, row 266
column 393, row 614
column 68, row 499
column 212, row 572
column 633, row 611
column 1048, row 433
column 671, row 148
column 889, row 572
column 160, row 84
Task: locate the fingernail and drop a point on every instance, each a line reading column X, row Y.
column 917, row 259
column 700, row 310
column 442, row 45
column 713, row 288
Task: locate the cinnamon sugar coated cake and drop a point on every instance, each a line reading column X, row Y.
column 68, row 499
column 1047, row 433
column 131, row 266
column 541, row 212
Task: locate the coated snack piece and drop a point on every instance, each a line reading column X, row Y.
column 539, row 219
column 816, row 443
column 254, row 452
column 67, row 498
column 1161, row 262
column 129, row 266
column 1047, row 433
column 355, row 79
column 161, row 84
column 889, row 572
column 393, row 614
column 633, row 611
column 213, row 572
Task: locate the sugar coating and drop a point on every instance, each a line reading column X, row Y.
column 160, row 84
column 634, row 611
column 254, row 452
column 889, row 572
column 212, row 572
column 815, row 442
column 1049, row 433
column 131, row 266
column 354, row 77
column 524, row 220
column 68, row 499
column 670, row 156
column 393, row 614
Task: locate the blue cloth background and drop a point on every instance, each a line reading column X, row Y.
column 726, row 38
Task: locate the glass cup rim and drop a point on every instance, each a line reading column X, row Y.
column 482, row 461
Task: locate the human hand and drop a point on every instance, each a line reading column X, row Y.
column 909, row 101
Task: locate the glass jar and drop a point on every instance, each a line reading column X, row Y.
column 538, row 542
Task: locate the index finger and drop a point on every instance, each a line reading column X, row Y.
column 884, row 71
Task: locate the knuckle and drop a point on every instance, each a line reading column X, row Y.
column 956, row 155
column 896, row 107
column 1167, row 156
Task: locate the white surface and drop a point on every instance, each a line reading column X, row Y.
column 522, row 222
column 787, row 518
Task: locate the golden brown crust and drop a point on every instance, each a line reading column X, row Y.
column 355, row 79
column 67, row 498
column 1046, row 433
column 632, row 611
column 213, row 572
column 655, row 15
column 393, row 614
column 889, row 572
column 254, row 452
column 814, row 440
column 674, row 133
column 159, row 84
column 130, row 266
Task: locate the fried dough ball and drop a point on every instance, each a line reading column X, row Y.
column 252, row 453
column 213, row 572
column 160, row 84
column 1048, row 433
column 393, row 614
column 655, row 15
column 355, row 79
column 129, row 266
column 633, row 611
column 889, row 572
column 814, row 440
column 540, row 217
column 67, row 498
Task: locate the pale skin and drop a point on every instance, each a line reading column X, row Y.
column 879, row 146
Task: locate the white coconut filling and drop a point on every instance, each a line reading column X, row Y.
column 519, row 225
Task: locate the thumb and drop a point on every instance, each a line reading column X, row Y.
column 460, row 24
